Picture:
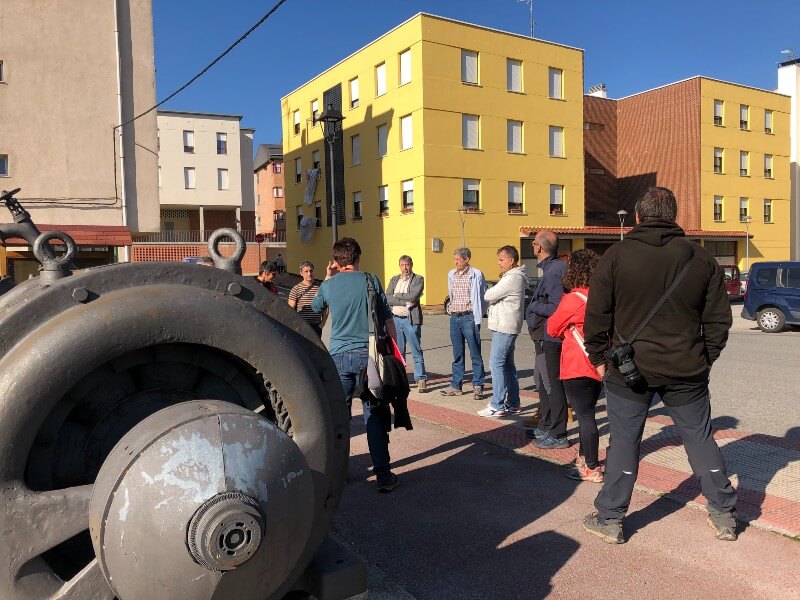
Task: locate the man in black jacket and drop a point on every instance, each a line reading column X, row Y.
column 673, row 353
column 552, row 430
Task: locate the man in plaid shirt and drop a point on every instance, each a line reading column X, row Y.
column 467, row 287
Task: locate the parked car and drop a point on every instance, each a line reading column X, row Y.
column 731, row 276
column 772, row 298
column 533, row 283
column 743, row 282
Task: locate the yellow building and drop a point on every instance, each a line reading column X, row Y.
column 449, row 127
column 744, row 165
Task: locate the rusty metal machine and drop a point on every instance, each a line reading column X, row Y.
column 167, row 431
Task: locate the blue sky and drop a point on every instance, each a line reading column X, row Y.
column 631, row 45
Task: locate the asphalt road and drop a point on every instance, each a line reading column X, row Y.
column 755, row 385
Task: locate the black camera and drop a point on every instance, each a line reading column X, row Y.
column 622, row 358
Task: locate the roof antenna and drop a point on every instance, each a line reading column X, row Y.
column 789, row 53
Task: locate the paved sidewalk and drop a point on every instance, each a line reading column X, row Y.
column 764, row 469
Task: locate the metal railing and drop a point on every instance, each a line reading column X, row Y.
column 200, row 236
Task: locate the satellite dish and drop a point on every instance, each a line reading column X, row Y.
column 307, row 227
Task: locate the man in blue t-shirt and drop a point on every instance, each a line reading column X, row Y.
column 345, row 294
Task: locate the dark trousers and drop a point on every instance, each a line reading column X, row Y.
column 627, row 418
column 552, row 398
column 582, row 394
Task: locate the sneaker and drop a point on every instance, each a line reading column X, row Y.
column 451, row 391
column 536, row 433
column 551, row 443
column 514, row 410
column 477, row 393
column 389, row 483
column 723, row 524
column 491, row 412
column 584, row 473
column 579, row 461
column 422, row 386
column 609, row 530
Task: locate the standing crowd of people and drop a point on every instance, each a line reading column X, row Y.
column 646, row 320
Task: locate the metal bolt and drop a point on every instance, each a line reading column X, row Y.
column 80, row 294
column 234, row 289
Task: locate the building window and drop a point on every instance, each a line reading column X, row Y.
column 744, row 163
column 299, row 215
column 354, row 92
column 513, row 75
column 556, row 141
column 298, row 170
column 470, row 132
column 469, row 67
column 767, row 211
column 357, row 214
column 383, row 131
column 222, row 143
column 159, row 172
column 355, row 149
column 314, row 111
column 383, row 200
column 556, row 199
column 718, row 209
column 555, row 83
column 768, row 166
column 719, row 107
column 514, row 141
column 767, row 121
column 744, row 209
column 222, row 179
column 471, row 194
column 277, row 168
column 515, row 197
column 296, row 121
column 380, row 79
column 188, row 178
column 2, row 73
column 318, row 213
column 718, row 156
column 408, row 196
column 315, row 159
column 188, row 141
column 277, row 192
column 4, row 165
column 405, row 67
column 406, row 133
column 744, row 117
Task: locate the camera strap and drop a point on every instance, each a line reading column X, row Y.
column 661, row 301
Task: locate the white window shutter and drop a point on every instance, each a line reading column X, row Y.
column 555, row 83
column 382, row 134
column 406, row 133
column 356, row 147
column 513, row 75
column 380, row 79
column 469, row 66
column 354, row 90
column 469, row 131
column 405, row 67
column 514, row 136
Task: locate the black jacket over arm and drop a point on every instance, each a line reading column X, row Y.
column 690, row 330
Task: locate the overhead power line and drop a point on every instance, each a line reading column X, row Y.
column 207, row 67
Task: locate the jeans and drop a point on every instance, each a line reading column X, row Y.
column 583, row 393
column 350, row 364
column 552, row 397
column 411, row 333
column 464, row 328
column 627, row 419
column 505, row 385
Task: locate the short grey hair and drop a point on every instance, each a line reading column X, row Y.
column 462, row 252
column 306, row 263
column 657, row 204
column 548, row 241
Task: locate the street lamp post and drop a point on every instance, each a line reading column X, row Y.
column 622, row 214
column 331, row 121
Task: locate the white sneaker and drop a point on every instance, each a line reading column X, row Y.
column 492, row 413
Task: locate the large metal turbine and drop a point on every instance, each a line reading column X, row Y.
column 167, row 431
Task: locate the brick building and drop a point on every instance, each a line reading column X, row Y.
column 270, row 201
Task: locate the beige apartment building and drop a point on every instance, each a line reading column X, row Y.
column 69, row 73
column 270, row 184
column 205, row 175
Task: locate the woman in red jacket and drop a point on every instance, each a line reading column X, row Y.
column 581, row 380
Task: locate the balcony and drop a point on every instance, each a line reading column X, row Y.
column 200, row 236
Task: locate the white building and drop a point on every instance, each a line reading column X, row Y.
column 789, row 84
column 205, row 169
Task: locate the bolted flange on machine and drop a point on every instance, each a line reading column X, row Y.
column 167, row 431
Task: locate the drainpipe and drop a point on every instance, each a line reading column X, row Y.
column 126, row 256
